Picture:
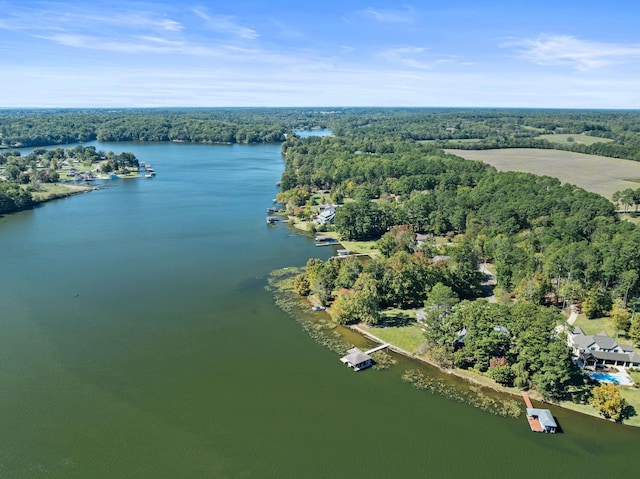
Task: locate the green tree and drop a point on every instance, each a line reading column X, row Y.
column 301, row 285
column 634, row 330
column 620, row 316
column 608, row 401
column 441, row 328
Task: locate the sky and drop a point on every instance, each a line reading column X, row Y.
column 242, row 53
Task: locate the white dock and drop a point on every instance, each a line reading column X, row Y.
column 378, row 348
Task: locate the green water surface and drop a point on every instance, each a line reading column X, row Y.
column 137, row 341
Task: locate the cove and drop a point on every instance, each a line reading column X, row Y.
column 138, row 341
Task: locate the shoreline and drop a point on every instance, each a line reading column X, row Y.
column 469, row 377
column 495, row 387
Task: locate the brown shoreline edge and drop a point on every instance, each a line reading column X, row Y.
column 514, row 394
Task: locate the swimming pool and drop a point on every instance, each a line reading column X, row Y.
column 616, row 378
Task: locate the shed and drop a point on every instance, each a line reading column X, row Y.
column 357, row 359
column 544, row 417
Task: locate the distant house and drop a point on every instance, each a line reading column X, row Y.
column 326, row 215
column 440, row 258
column 357, row 359
column 601, row 350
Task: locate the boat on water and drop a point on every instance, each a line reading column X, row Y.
column 150, row 174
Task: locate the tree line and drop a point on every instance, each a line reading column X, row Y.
column 552, row 244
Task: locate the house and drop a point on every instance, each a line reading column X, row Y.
column 326, row 215
column 440, row 258
column 601, row 350
column 357, row 359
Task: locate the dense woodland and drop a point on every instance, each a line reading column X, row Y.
column 552, row 245
column 477, row 128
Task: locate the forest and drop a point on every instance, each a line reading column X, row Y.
column 611, row 133
column 552, row 244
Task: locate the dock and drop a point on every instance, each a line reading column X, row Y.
column 359, row 360
column 377, row 348
column 540, row 420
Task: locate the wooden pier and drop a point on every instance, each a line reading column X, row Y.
column 377, row 348
column 540, row 420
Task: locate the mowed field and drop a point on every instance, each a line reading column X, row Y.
column 599, row 174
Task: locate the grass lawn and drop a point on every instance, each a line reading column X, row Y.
column 50, row 191
column 633, row 218
column 595, row 326
column 583, row 139
column 632, row 396
column 599, row 174
column 408, row 337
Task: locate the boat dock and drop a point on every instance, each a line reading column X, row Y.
column 359, row 360
column 377, row 348
column 540, row 420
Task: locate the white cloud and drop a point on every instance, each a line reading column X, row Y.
column 406, row 15
column 226, row 23
column 568, row 50
column 415, row 57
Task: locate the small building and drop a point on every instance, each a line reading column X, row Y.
column 544, row 418
column 540, row 420
column 357, row 359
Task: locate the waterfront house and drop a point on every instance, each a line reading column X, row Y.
column 600, row 350
column 357, row 359
column 326, row 215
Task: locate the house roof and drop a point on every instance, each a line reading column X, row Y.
column 604, row 341
column 544, row 417
column 611, row 356
column 355, row 356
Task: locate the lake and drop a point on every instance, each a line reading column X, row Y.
column 138, row 341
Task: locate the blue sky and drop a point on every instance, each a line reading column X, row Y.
column 327, row 53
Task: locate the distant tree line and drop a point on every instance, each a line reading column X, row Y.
column 479, row 128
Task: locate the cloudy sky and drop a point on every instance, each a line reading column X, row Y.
column 94, row 53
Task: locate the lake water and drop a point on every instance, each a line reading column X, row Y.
column 137, row 341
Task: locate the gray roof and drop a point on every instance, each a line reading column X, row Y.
column 604, row 341
column 601, row 341
column 610, row 356
column 355, row 356
column 544, row 417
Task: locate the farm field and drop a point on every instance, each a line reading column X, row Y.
column 564, row 139
column 599, row 174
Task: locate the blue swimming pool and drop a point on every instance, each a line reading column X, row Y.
column 611, row 378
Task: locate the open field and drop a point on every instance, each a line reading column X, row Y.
column 595, row 326
column 563, row 139
column 599, row 174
